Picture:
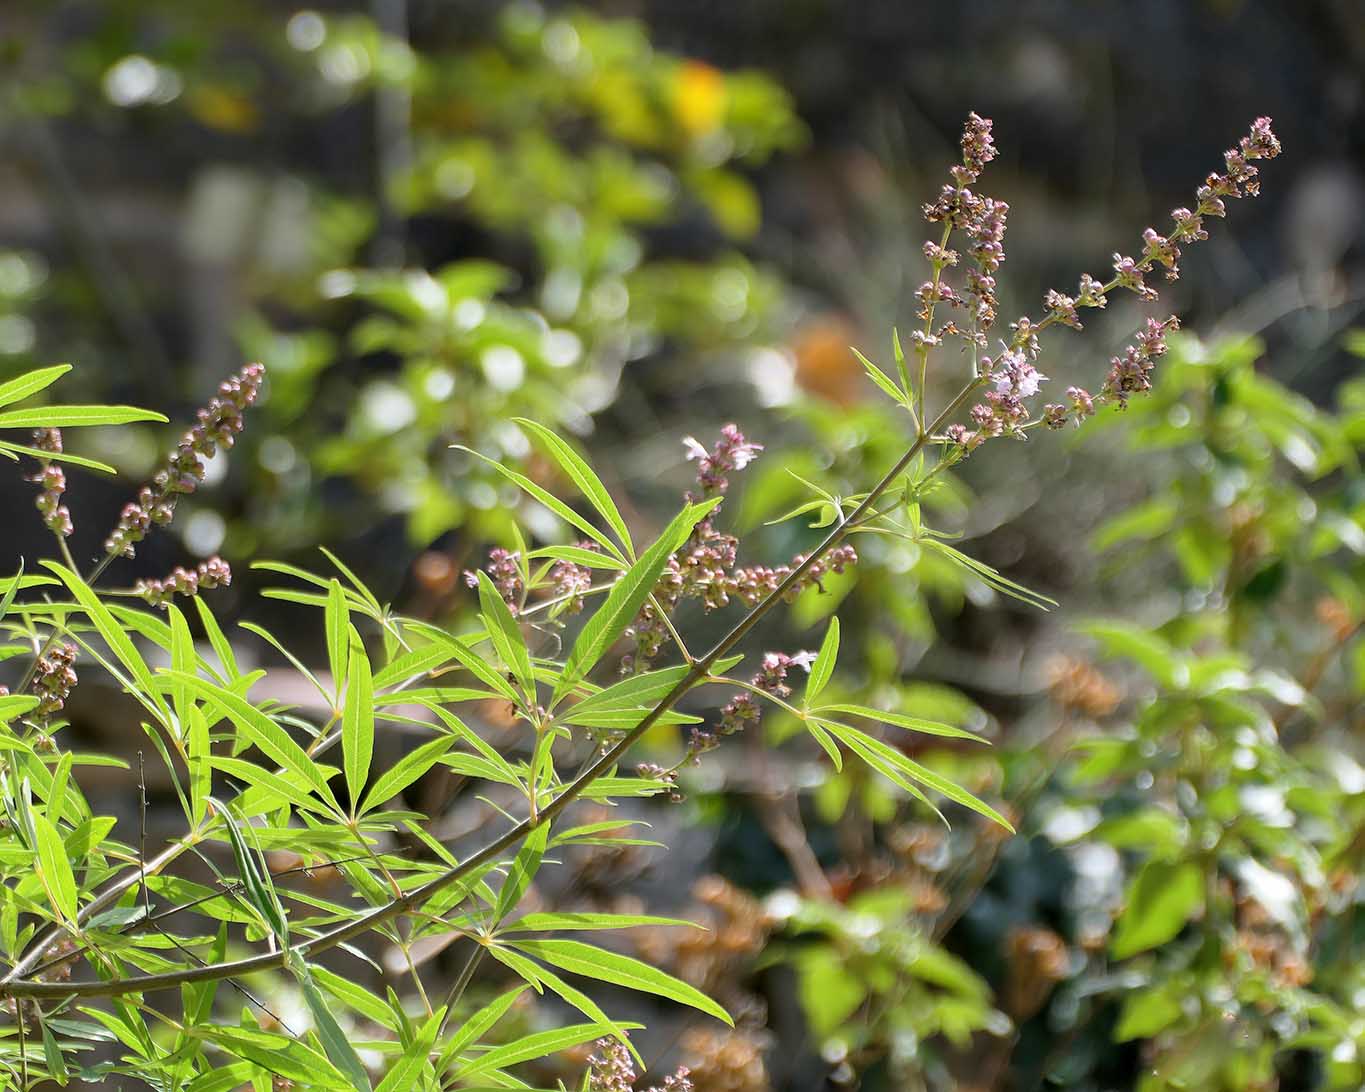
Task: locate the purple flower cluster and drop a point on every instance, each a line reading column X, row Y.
column 983, row 220
column 218, row 425
column 52, row 478
column 742, row 711
column 731, row 452
column 54, row 678
column 504, row 569
column 213, row 573
column 570, row 582
column 611, row 1070
column 1013, row 374
column 705, row 569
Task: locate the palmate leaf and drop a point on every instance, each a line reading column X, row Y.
column 539, row 977
column 900, row 720
column 404, row 772
column 260, row 730
column 292, row 1059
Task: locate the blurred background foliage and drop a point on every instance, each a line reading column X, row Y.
column 637, row 221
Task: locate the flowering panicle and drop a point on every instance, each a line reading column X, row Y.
column 706, row 568
column 731, row 452
column 611, row 1070
column 54, row 678
column 1004, row 411
column 983, row 220
column 213, row 573
column 505, row 570
column 742, row 711
column 218, row 425
column 570, row 582
column 52, row 478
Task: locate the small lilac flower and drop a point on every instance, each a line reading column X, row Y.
column 731, row 452
column 504, row 569
column 213, row 573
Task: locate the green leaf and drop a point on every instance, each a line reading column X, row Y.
column 506, row 636
column 885, row 759
column 19, row 388
column 7, row 600
column 264, row 733
column 355, row 996
column 109, row 629
column 884, row 381
column 337, row 619
column 624, row 600
column 547, row 922
column 221, row 645
column 335, row 1044
column 52, row 1054
column 197, row 997
column 1149, row 651
column 411, row 664
column 57, row 457
column 13, row 706
column 472, row 1029
column 541, row 1044
column 632, row 693
column 900, row 720
column 284, row 790
column 405, row 771
column 75, row 416
column 988, row 575
column 553, row 503
column 54, row 867
column 1161, row 898
column 357, row 722
column 1146, row 1013
column 584, row 959
column 524, row 869
column 403, row 1076
column 278, row 1054
column 226, row 1078
column 467, row 657
column 256, row 885
column 823, row 667
column 582, row 476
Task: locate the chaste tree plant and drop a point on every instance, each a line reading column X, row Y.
column 110, row 940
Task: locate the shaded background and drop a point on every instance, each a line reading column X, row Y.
column 184, row 189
